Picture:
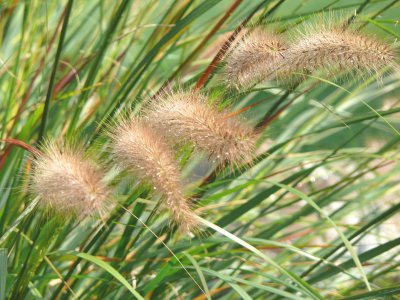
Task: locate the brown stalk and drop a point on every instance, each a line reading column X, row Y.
column 9, row 10
column 225, row 47
column 239, row 111
column 63, row 82
column 217, row 26
column 28, row 92
column 36, row 75
column 270, row 115
column 268, row 120
column 21, row 144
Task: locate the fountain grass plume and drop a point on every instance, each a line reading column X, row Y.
column 256, row 57
column 68, row 182
column 329, row 47
column 188, row 117
column 138, row 148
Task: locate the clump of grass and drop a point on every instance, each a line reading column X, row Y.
column 188, row 117
column 139, row 148
column 66, row 181
column 328, row 157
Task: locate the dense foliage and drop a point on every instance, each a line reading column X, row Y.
column 311, row 214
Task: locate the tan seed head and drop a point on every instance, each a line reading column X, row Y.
column 137, row 147
column 68, row 182
column 188, row 117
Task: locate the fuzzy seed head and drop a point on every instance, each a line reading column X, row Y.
column 187, row 117
column 338, row 50
column 255, row 58
column 67, row 182
column 138, row 148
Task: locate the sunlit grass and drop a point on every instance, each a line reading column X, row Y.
column 313, row 216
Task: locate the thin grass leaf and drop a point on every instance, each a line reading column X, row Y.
column 339, row 232
column 363, row 257
column 105, row 266
column 49, row 94
column 3, row 273
column 200, row 273
column 306, row 287
column 382, row 293
column 26, row 212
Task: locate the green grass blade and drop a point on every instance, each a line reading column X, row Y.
column 101, row 48
column 3, row 273
column 26, row 212
column 339, row 232
column 49, row 94
column 363, row 257
column 108, row 268
column 307, row 288
column 378, row 294
column 231, row 279
column 200, row 273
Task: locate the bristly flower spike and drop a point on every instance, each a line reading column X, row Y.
column 256, row 57
column 137, row 147
column 337, row 49
column 187, row 117
column 66, row 181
